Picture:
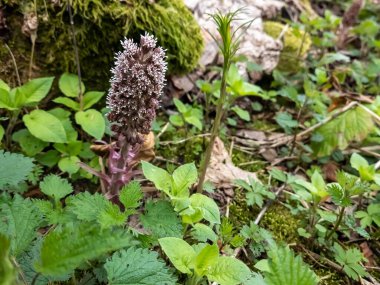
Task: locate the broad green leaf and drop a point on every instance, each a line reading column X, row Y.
column 8, row 274
column 285, row 120
column 180, row 253
column 4, row 85
column 180, row 106
column 67, row 102
column 64, row 117
column 91, row 98
column 243, row 114
column 138, row 266
column 36, row 89
column 195, row 121
column 69, row 164
column 160, row 177
column 92, row 122
column 353, row 125
column 319, row 183
column 30, row 145
column 161, row 220
column 45, row 126
column 49, row 158
column 14, row 168
column 19, row 221
column 183, row 177
column 203, row 233
column 5, row 100
column 64, row 250
column 69, row 85
column 357, row 161
column 56, row 187
column 176, row 120
column 206, row 258
column 207, row 206
column 228, row 271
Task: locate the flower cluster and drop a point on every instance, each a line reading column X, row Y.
column 136, row 86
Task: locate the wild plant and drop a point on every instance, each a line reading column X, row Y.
column 136, row 87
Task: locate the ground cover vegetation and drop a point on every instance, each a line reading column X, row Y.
column 109, row 175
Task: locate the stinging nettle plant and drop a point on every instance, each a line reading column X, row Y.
column 230, row 40
column 136, row 86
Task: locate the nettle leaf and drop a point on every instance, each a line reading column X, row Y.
column 64, row 250
column 160, row 177
column 56, row 187
column 36, row 89
column 338, row 194
column 138, row 266
column 183, row 177
column 14, row 168
column 19, row 221
column 180, row 253
column 92, row 122
column 130, row 196
column 91, row 98
column 69, row 85
column 161, row 220
column 353, row 125
column 95, row 208
column 45, row 126
column 229, row 271
column 286, row 268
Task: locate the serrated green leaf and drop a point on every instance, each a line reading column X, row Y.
column 137, row 266
column 64, row 250
column 19, row 220
column 131, row 195
column 161, row 220
column 56, row 187
column 14, row 168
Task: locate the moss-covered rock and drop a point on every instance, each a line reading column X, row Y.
column 296, row 45
column 99, row 27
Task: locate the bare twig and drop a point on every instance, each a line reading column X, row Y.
column 265, row 208
column 14, row 63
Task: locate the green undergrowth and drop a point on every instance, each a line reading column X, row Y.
column 99, row 27
column 240, row 213
column 281, row 223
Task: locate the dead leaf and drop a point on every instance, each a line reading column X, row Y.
column 221, row 171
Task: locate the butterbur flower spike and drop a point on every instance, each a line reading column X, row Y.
column 136, row 86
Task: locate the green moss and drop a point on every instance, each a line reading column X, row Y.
column 330, row 277
column 240, row 213
column 281, row 223
column 296, row 45
column 243, row 161
column 99, row 27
